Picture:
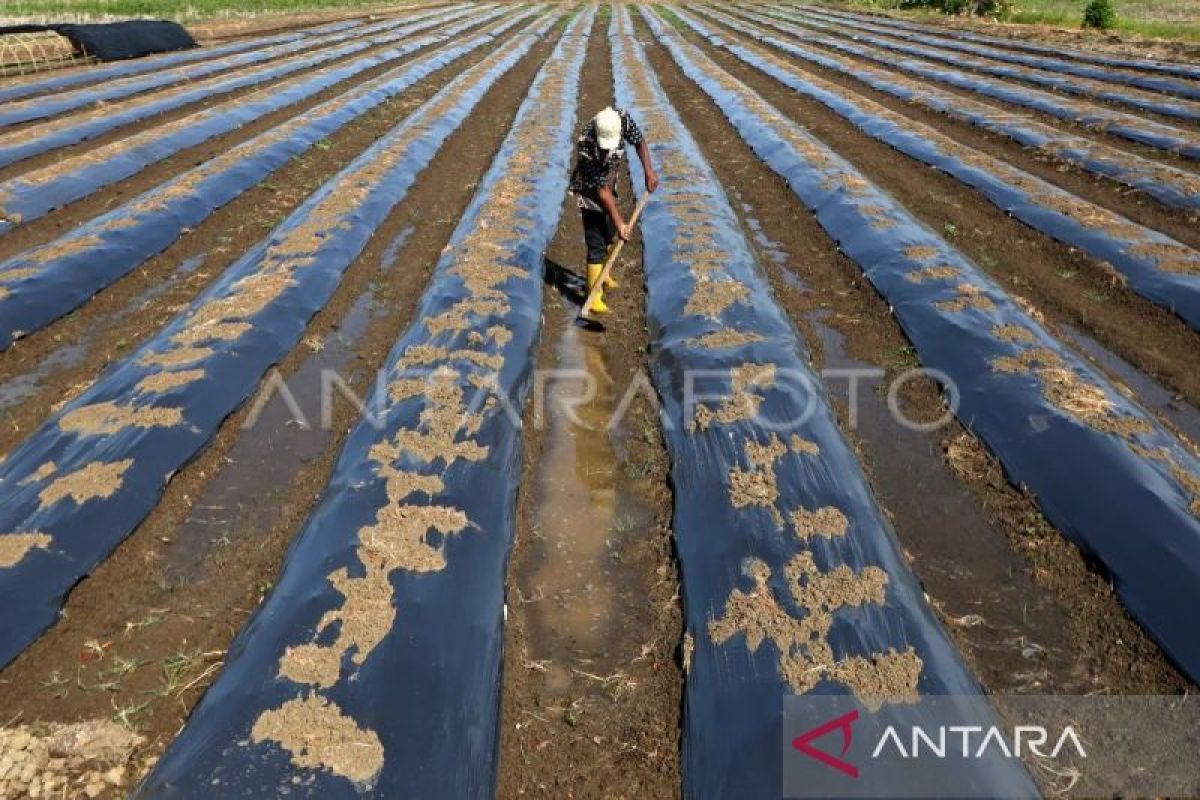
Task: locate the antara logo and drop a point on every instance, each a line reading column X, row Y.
column 953, row 741
column 804, row 741
column 991, row 740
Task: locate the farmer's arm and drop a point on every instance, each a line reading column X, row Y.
column 651, row 176
column 632, row 134
column 608, row 201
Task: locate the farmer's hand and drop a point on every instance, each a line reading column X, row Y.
column 624, row 231
column 651, row 181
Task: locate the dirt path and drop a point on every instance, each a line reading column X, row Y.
column 1063, row 283
column 1018, row 599
column 592, row 681
column 164, row 606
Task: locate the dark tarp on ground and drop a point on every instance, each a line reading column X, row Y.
column 32, row 590
column 1123, row 476
column 116, row 41
column 428, row 691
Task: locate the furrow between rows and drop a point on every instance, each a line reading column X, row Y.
column 41, row 284
column 80, row 483
column 1031, row 400
column 374, row 664
column 28, row 142
column 1169, row 185
column 1150, row 263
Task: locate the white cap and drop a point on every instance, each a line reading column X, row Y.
column 608, row 129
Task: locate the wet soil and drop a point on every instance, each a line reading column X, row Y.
column 592, row 683
column 1182, row 418
column 120, row 317
column 143, row 636
column 1025, row 609
column 1066, row 285
column 285, row 425
column 579, row 509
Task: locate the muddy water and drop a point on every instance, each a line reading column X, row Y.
column 771, row 249
column 29, row 384
column 392, row 253
column 242, row 500
column 579, row 515
column 65, row 356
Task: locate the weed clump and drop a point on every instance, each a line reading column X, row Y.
column 1099, row 14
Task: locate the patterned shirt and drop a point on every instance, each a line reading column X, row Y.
column 594, row 167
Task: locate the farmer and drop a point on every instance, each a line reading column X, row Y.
column 598, row 155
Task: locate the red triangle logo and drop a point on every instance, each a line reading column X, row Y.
column 804, row 741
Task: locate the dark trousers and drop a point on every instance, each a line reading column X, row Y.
column 598, row 232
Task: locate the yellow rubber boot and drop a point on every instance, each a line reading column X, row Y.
column 593, row 275
column 610, row 282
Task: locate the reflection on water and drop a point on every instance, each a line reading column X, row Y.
column 30, row 383
column 26, row 385
column 580, row 514
column 392, row 253
column 245, row 495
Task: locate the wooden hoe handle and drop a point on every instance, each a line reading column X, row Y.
column 612, row 258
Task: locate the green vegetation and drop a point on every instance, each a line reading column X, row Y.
column 978, row 8
column 1099, row 14
column 1164, row 19
column 671, row 17
column 181, row 10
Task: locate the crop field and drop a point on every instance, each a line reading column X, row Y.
column 313, row 483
